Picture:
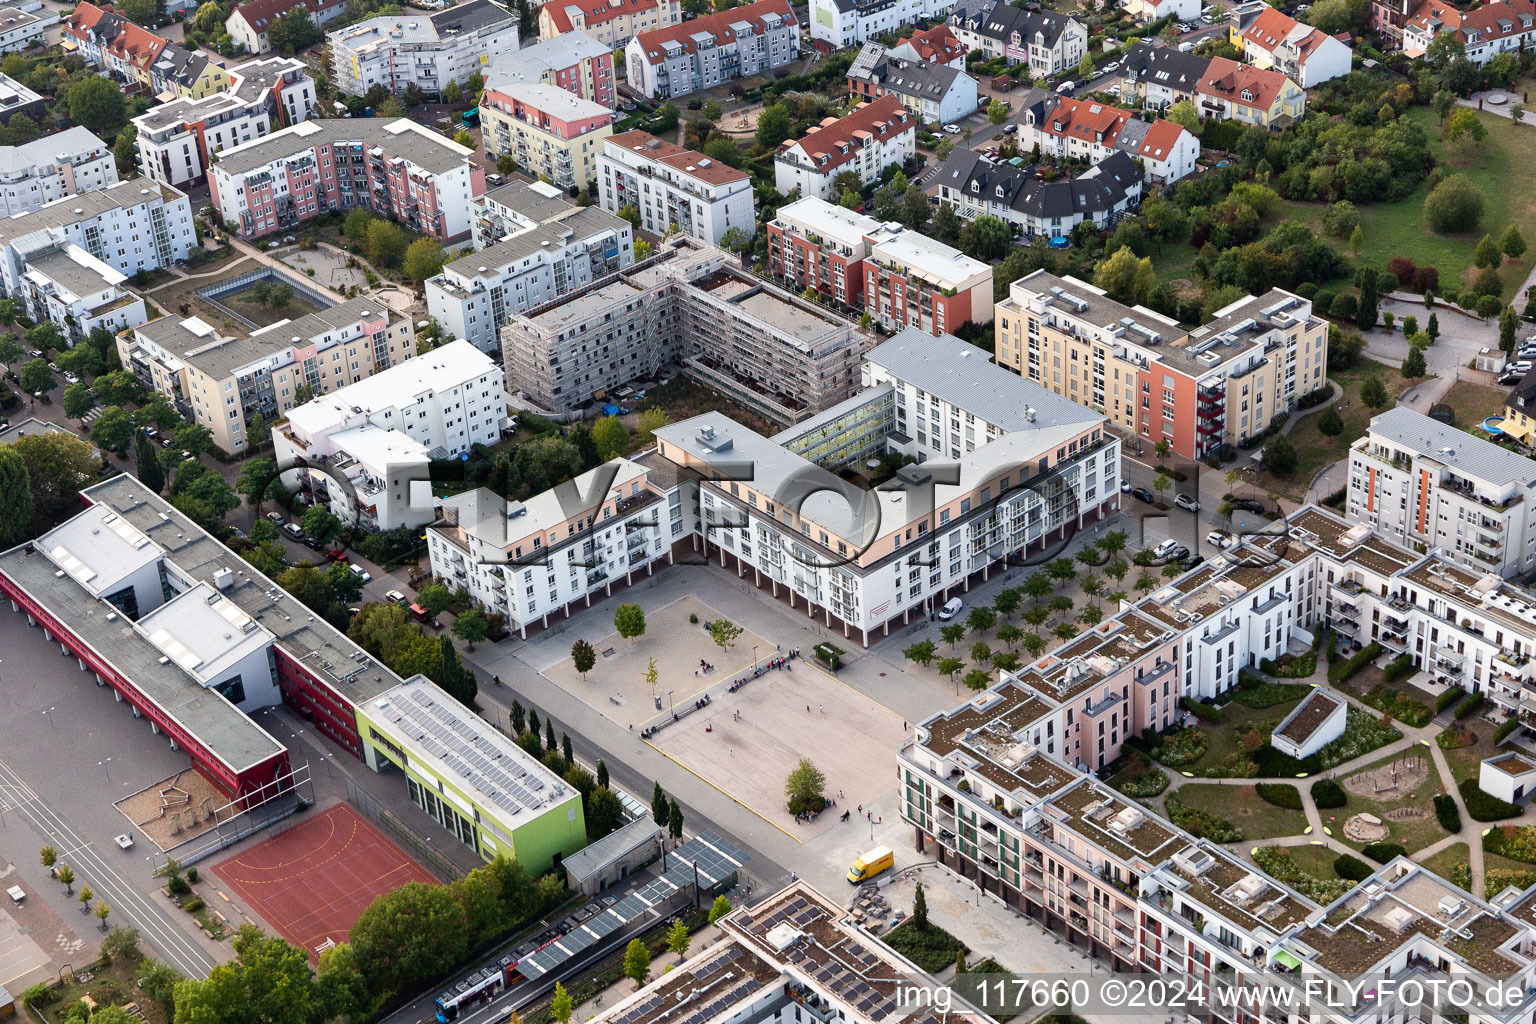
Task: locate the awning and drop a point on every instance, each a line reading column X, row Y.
column 1515, row 430
column 1285, row 959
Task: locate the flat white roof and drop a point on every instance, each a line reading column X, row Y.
column 489, row 518
column 439, row 370
column 99, row 549
column 204, row 632
column 842, row 225
column 378, row 448
column 938, row 263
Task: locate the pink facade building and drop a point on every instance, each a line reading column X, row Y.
column 573, row 61
column 397, row 169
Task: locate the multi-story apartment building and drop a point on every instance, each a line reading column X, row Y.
column 474, row 296
column 611, row 22
column 221, row 382
column 178, row 139
column 109, row 41
column 133, row 225
column 23, row 24
column 16, row 98
column 867, row 140
column 1047, row 42
column 428, row 51
column 1101, row 195
column 1420, row 482
column 899, row 277
column 573, row 61
column 936, row 45
column 712, row 50
column 692, row 305
column 397, row 168
column 1230, row 90
column 1090, row 131
column 1147, row 11
column 1387, row 20
column 1157, row 77
column 549, row 131
column 1219, row 384
column 50, row 168
column 513, row 208
column 1306, row 55
column 68, row 287
column 844, row 23
column 1505, row 26
column 250, row 22
column 673, row 187
column 933, row 92
column 381, row 432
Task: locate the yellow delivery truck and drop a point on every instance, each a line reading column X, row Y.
column 870, row 865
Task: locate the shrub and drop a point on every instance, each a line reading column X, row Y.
column 1281, row 794
column 1426, row 279
column 1517, row 842
column 1180, row 747
column 1383, row 851
column 40, row 994
column 1468, row 706
column 1148, row 784
column 1202, row 823
column 1344, row 307
column 1327, row 793
column 1402, row 268
column 1201, row 710
column 1506, row 727
column 1342, row 670
column 1455, row 738
column 193, row 905
column 1448, row 813
column 1488, row 306
column 1483, row 807
column 1400, row 667
column 1448, row 698
column 1267, row 695
column 177, row 885
column 1351, row 867
column 1276, row 861
column 1402, row 708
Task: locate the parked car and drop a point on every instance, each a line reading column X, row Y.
column 1010, row 128
column 1179, row 553
column 362, row 574
column 151, row 431
column 1110, row 68
column 71, row 378
column 1165, row 548
column 395, row 596
column 1142, row 494
column 952, row 129
column 951, row 608
column 1125, row 487
column 294, row 530
column 1192, row 562
column 1187, row 503
column 1218, row 539
column 276, row 517
column 1248, row 504
column 313, row 544
column 1066, row 87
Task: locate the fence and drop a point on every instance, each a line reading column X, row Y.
column 212, row 293
column 399, row 831
column 296, row 790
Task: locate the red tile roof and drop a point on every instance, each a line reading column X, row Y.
column 595, row 12
column 1269, row 29
column 85, row 16
column 1160, row 140
column 696, row 164
column 1484, row 20
column 937, row 45
column 260, row 14
column 1087, row 120
column 840, row 139
column 717, row 24
column 1230, row 80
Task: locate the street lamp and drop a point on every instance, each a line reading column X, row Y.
column 672, row 707
column 103, row 766
column 754, row 657
column 50, row 720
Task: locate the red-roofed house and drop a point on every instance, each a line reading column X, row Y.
column 1167, row 150
column 249, row 23
column 670, row 186
column 1300, row 52
column 1089, row 131
column 937, row 45
column 112, row 43
column 866, row 141
column 712, row 50
column 611, row 22
column 1232, row 91
column 1493, row 28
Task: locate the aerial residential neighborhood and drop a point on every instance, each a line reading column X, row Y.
column 748, row 511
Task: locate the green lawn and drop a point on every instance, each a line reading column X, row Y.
column 1226, row 738
column 1242, row 806
column 1315, row 860
column 1474, row 403
column 1447, row 862
column 1398, row 229
column 1414, row 834
column 1466, row 762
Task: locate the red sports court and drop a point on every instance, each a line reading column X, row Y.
column 312, row 881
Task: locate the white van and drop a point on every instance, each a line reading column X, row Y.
column 951, row 609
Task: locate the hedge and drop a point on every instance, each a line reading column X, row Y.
column 1448, row 813
column 1327, row 793
column 1281, row 794
column 1201, row 710
column 1514, row 842
column 1266, row 695
column 1342, row 670
column 1404, row 709
column 1352, row 868
column 1482, row 807
column 1400, row 667
column 1383, row 852
column 1506, row 727
column 1469, row 705
column 1448, row 698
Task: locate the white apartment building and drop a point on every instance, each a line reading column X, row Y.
column 611, row 22
column 844, row 23
column 381, row 432
column 425, row 50
column 133, row 225
column 50, row 168
column 513, row 208
column 223, row 382
column 870, row 138
column 177, row 140
column 713, row 49
column 1419, row 481
column 475, row 296
column 67, row 286
column 674, row 187
column 23, row 25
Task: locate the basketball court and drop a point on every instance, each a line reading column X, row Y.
column 312, row 882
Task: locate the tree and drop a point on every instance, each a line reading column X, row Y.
column 915, row 208
column 919, row 908
column 471, row 626
column 113, row 429
column 946, row 224
column 423, row 259
column 996, row 112
column 435, row 598
column 561, row 1006
column 49, row 856
column 320, row 524
column 651, row 420
column 118, row 388
column 210, row 17
column 1366, row 312
column 1413, row 368
column 719, row 909
column 386, row 244
column 629, row 620
column 269, row 979
column 950, row 667
column 1512, row 242
column 611, row 437
column 920, row 653
column 584, row 657
column 658, row 804
column 451, row 92
column 1432, row 328
column 651, row 675
column 986, row 237
column 1280, row 456
column 674, row 820
column 735, row 239
column 711, row 112
column 256, row 482
column 1357, row 240
column 1487, row 253
column 99, row 105
column 1329, row 423
column 978, row 679
column 1454, row 205
column 1126, row 278
column 66, row 876
column 774, row 125
column 605, row 813
column 36, row 378
column 642, row 249
column 724, row 633
column 1085, row 67
column 1465, row 122
column 409, row 936
column 637, row 963
column 1373, row 393
column 78, row 401
column 678, row 939
column 1340, row 218
column 1183, row 113
column 1508, row 321
column 294, row 31
column 952, row 634
column 804, row 787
